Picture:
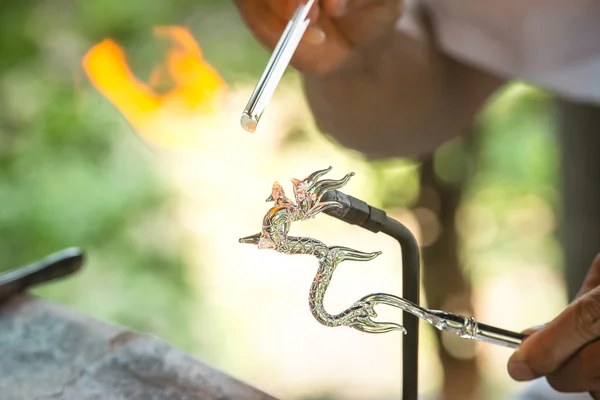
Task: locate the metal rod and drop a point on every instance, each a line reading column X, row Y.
column 276, row 66
column 499, row 336
column 411, row 284
column 357, row 212
column 469, row 328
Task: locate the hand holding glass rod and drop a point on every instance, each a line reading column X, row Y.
column 276, row 66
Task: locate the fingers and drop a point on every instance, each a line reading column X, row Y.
column 547, row 349
column 581, row 373
column 262, row 21
column 335, row 8
column 349, row 6
column 285, row 9
column 337, row 28
column 592, row 280
column 268, row 18
column 532, row 330
column 361, row 21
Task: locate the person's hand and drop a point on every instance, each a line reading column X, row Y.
column 338, row 28
column 567, row 350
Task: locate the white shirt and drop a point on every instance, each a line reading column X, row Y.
column 551, row 43
column 554, row 44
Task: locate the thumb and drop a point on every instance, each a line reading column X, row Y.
column 546, row 349
column 592, row 279
column 530, row 331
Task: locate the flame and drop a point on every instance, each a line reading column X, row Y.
column 166, row 119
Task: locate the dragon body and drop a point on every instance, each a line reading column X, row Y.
column 274, row 235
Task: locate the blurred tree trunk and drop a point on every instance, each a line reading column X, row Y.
column 445, row 284
column 579, row 132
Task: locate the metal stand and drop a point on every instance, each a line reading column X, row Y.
column 357, row 212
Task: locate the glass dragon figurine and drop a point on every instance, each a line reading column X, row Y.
column 308, row 194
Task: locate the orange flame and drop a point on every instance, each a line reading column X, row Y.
column 166, row 119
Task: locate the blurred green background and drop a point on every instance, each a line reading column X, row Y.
column 74, row 173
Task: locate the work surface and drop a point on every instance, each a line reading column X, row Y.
column 50, row 352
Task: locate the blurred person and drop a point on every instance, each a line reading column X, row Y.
column 394, row 78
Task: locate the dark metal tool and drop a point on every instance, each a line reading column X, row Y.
column 356, row 212
column 54, row 266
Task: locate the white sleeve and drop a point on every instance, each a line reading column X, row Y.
column 556, row 47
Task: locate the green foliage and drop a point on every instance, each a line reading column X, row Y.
column 71, row 176
column 518, row 144
column 397, row 183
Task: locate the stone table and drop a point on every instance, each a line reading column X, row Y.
column 50, row 352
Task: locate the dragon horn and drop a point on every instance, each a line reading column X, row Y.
column 316, row 175
column 321, row 187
